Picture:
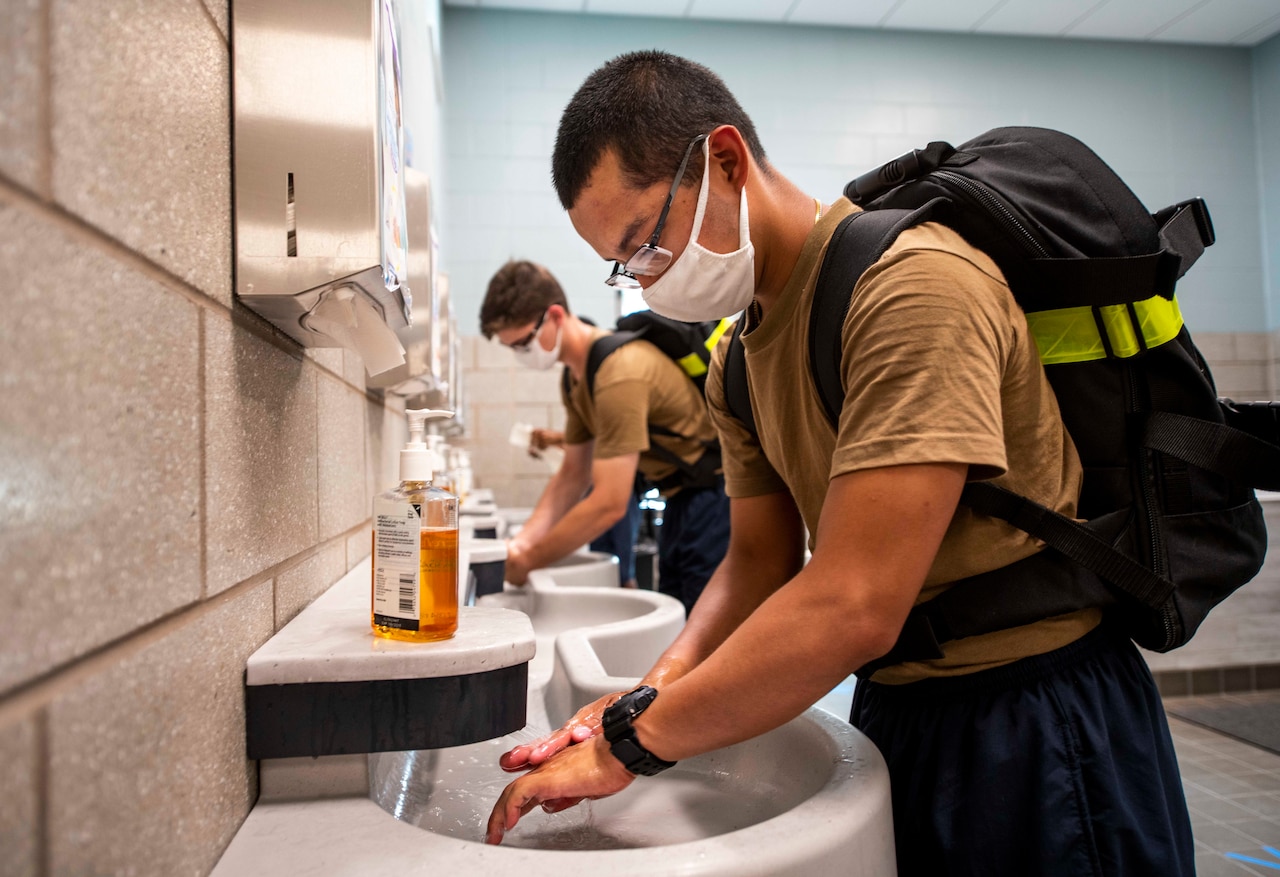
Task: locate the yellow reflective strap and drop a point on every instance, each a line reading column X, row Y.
column 1071, row 334
column 693, row 365
column 1066, row 335
column 1161, row 319
column 714, row 338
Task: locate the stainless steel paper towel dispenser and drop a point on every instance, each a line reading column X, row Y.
column 320, row 226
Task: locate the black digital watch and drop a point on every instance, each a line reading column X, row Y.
column 616, row 723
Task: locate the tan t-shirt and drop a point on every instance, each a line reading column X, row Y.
column 938, row 367
column 638, row 385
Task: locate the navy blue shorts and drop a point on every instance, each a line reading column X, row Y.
column 692, row 541
column 1058, row 764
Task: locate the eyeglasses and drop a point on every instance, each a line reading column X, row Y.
column 523, row 344
column 651, row 260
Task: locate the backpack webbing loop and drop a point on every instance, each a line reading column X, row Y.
column 1216, row 447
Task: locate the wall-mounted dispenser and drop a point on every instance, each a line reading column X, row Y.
column 421, row 372
column 320, row 226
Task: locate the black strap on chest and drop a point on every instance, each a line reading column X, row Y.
column 704, row 472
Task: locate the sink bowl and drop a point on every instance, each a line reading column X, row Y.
column 810, row 797
column 807, row 796
column 583, row 569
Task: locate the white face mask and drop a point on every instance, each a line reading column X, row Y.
column 535, row 356
column 701, row 285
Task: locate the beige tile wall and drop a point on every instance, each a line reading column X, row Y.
column 177, row 479
column 1244, row 364
column 501, row 393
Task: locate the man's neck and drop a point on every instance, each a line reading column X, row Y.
column 786, row 215
column 575, row 343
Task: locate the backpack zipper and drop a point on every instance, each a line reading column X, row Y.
column 1148, row 509
column 995, row 208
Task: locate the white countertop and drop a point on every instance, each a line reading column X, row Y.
column 331, row 641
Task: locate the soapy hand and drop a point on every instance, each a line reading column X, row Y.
column 581, row 772
column 584, row 725
column 516, row 570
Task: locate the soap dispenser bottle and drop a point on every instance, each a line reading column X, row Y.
column 415, row 547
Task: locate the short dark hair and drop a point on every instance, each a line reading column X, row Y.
column 647, row 107
column 520, row 292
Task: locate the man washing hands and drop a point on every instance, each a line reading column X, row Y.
column 1057, row 720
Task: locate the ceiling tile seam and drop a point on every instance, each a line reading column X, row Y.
column 688, row 9
column 982, row 19
column 786, row 16
column 884, row 20
column 1177, row 18
column 1083, row 17
column 1244, row 38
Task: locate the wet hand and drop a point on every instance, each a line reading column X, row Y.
column 584, row 725
column 517, row 567
column 578, row 773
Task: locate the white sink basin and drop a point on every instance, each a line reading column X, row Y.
column 811, row 797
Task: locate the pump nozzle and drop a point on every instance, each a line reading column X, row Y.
column 415, row 459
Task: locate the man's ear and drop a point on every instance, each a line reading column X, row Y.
column 730, row 156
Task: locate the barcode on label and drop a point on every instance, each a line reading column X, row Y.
column 406, row 593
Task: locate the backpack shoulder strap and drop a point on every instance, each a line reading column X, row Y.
column 737, row 398
column 857, row 243
column 600, row 350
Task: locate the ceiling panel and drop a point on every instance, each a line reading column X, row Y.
column 865, row 13
column 1037, row 17
column 543, row 5
column 1131, row 19
column 940, row 14
column 740, row 10
column 1216, row 22
column 660, row 8
column 1224, row 22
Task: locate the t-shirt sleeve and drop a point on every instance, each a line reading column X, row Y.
column 746, row 470
column 926, row 342
column 575, row 430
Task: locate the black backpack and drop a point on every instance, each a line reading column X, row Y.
column 1172, row 526
column 690, row 346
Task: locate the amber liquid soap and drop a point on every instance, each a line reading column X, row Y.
column 415, row 531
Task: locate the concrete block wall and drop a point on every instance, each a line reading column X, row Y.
column 177, row 479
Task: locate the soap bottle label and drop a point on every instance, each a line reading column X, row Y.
column 396, row 563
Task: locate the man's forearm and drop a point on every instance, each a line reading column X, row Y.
column 738, row 587
column 878, row 537
column 588, row 519
column 561, row 492
column 766, row 550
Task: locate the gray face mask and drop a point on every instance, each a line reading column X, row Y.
column 701, row 285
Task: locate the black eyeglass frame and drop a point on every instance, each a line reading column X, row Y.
column 524, row 343
column 624, row 275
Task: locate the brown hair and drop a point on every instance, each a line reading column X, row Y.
column 519, row 293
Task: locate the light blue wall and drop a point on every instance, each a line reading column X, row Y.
column 829, row 103
column 420, row 35
column 1266, row 91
